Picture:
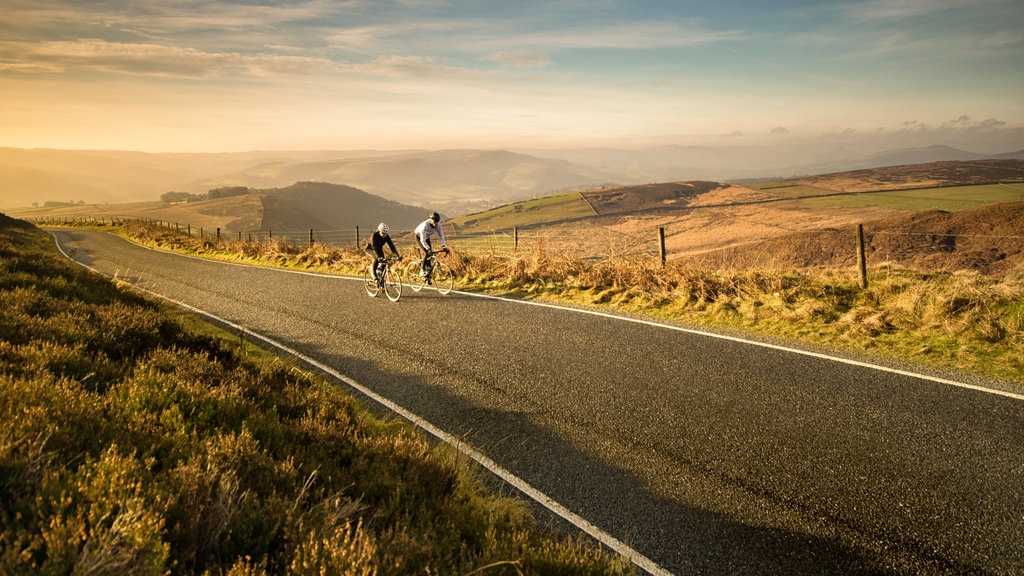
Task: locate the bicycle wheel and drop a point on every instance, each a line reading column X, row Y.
column 443, row 278
column 392, row 284
column 370, row 282
column 412, row 275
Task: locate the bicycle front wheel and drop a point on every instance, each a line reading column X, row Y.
column 412, row 275
column 392, row 284
column 443, row 278
column 370, row 282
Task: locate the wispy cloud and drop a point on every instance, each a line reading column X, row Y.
column 519, row 59
column 150, row 60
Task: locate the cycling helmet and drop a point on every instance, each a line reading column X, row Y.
column 435, row 217
column 383, row 228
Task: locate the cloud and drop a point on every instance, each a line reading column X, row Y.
column 519, row 59
column 876, row 10
column 411, row 67
column 150, row 60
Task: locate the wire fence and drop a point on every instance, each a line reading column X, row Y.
column 935, row 250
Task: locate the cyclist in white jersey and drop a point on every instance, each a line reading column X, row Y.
column 424, row 231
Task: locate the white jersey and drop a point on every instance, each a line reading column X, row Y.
column 425, row 230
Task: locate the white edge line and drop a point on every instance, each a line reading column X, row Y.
column 819, row 355
column 543, row 499
column 765, row 345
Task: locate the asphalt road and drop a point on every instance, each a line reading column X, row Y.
column 705, row 455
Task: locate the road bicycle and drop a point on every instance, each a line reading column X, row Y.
column 438, row 274
column 385, row 278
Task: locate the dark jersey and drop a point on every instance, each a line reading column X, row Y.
column 378, row 240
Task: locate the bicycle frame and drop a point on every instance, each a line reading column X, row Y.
column 386, row 278
column 438, row 274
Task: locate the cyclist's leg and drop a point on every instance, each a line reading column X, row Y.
column 427, row 248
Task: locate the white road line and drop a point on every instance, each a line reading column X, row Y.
column 756, row 343
column 543, row 499
column 819, row 355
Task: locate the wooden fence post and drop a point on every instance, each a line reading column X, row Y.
column 310, row 236
column 661, row 243
column 357, row 237
column 515, row 237
column 862, row 266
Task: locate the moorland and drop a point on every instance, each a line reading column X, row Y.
column 136, row 440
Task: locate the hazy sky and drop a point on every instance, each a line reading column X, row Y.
column 207, row 75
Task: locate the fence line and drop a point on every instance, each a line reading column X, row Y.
column 587, row 241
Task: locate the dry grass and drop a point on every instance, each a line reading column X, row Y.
column 959, row 321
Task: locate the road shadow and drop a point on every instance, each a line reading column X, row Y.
column 681, row 538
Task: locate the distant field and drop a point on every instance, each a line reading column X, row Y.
column 949, row 199
column 788, row 189
column 554, row 210
column 544, row 210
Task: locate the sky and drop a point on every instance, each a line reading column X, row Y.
column 226, row 76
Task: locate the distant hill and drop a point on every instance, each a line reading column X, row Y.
column 705, row 221
column 295, row 208
column 667, row 197
column 451, row 181
column 986, row 239
column 919, row 156
column 781, row 223
column 906, row 176
column 331, row 206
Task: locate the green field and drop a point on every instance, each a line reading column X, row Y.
column 555, row 208
column 950, row 199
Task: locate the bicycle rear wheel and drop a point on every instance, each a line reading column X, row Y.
column 412, row 275
column 392, row 284
column 370, row 282
column 443, row 278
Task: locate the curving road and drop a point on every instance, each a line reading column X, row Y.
column 706, row 455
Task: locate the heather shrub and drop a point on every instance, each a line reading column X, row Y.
column 129, row 445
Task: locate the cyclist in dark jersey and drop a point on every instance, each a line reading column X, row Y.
column 382, row 237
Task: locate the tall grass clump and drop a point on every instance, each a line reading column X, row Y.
column 952, row 320
column 132, row 445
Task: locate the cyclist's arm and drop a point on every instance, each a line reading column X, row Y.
column 440, row 235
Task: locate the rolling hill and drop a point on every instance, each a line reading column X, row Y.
column 781, row 222
column 450, row 181
column 704, row 221
column 299, row 207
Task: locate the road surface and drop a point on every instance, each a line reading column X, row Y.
column 705, row 455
